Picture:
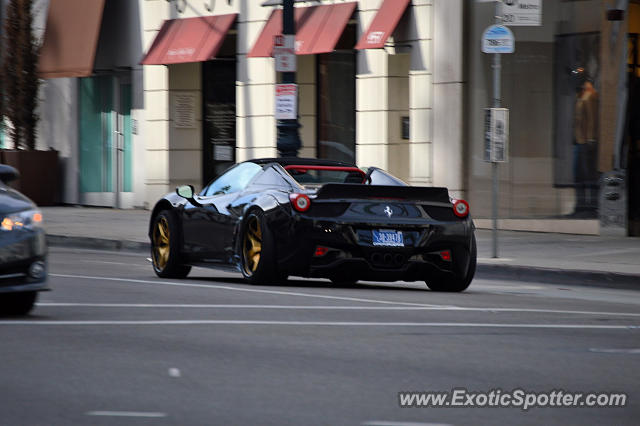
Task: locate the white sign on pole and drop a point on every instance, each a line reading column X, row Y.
column 285, row 53
column 286, row 101
column 521, row 12
column 496, row 134
column 498, row 39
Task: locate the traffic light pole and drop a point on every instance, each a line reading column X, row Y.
column 288, row 142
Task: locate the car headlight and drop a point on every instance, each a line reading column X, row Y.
column 28, row 219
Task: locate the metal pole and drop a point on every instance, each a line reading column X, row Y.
column 494, row 165
column 288, row 142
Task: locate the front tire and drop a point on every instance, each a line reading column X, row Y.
column 464, row 268
column 17, row 304
column 258, row 254
column 165, row 247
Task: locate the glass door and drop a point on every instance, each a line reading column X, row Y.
column 105, row 155
column 95, row 112
column 219, row 117
column 337, row 106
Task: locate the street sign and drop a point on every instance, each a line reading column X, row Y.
column 521, row 12
column 498, row 39
column 496, row 134
column 285, row 53
column 286, row 101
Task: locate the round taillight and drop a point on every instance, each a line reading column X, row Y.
column 461, row 208
column 300, row 202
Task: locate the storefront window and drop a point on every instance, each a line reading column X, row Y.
column 576, row 77
column 562, row 89
column 633, row 121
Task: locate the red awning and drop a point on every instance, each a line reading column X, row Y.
column 70, row 38
column 318, row 29
column 383, row 24
column 189, row 40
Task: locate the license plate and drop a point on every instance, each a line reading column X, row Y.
column 384, row 237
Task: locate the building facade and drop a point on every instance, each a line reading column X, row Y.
column 353, row 103
column 176, row 91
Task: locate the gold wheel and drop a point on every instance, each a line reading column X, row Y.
column 252, row 245
column 161, row 245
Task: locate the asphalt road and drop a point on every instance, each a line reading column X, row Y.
column 113, row 344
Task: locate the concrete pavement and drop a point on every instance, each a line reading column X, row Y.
column 115, row 345
column 543, row 257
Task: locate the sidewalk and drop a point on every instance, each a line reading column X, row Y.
column 604, row 261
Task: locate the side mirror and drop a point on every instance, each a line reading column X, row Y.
column 185, row 191
column 8, row 173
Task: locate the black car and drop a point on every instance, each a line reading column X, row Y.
column 275, row 217
column 23, row 249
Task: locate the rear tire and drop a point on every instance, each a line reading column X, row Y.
column 165, row 247
column 461, row 277
column 258, row 251
column 17, row 304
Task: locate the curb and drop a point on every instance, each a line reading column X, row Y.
column 538, row 275
column 96, row 243
column 553, row 276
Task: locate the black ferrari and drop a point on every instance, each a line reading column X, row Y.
column 275, row 217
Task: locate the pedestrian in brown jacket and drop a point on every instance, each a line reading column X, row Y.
column 586, row 151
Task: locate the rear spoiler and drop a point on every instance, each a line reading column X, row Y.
column 358, row 191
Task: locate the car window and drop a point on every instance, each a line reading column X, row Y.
column 233, row 180
column 380, row 177
column 271, row 178
column 320, row 177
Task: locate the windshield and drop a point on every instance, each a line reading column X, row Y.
column 233, row 180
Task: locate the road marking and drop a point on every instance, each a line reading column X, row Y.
column 507, row 287
column 324, row 323
column 324, row 307
column 241, row 289
column 386, row 423
column 113, row 263
column 174, row 372
column 615, row 351
column 124, row 414
column 603, row 253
